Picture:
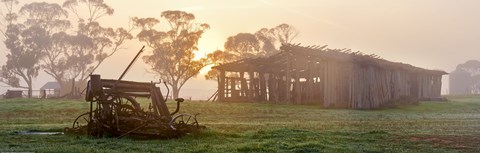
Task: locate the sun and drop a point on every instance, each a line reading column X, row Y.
column 209, row 43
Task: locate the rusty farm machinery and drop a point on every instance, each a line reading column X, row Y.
column 115, row 111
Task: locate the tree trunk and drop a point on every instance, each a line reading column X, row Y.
column 29, row 83
column 175, row 91
column 63, row 87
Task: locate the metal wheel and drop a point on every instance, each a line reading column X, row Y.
column 81, row 120
column 126, row 106
column 184, row 122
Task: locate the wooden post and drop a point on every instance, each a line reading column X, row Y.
column 438, row 82
column 233, row 91
column 321, row 82
column 243, row 85
column 310, row 83
column 298, row 90
column 328, row 87
column 263, row 87
column 271, row 87
column 288, row 80
column 251, row 88
column 281, row 89
column 221, row 86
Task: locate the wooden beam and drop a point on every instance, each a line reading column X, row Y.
column 263, row 87
column 243, row 85
column 288, row 80
column 221, row 86
column 251, row 88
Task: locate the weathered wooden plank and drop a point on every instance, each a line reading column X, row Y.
column 221, row 87
column 243, row 85
column 263, row 87
column 288, row 80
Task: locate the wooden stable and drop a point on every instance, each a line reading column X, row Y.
column 335, row 78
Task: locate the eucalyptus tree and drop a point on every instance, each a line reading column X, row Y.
column 72, row 46
column 284, row 33
column 52, row 18
column 25, row 44
column 173, row 56
column 92, row 43
column 247, row 45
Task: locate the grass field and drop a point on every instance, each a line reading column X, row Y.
column 452, row 126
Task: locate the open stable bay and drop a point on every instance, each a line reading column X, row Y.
column 452, row 126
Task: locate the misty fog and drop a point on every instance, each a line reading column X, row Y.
column 430, row 34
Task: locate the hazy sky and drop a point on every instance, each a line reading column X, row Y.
column 432, row 34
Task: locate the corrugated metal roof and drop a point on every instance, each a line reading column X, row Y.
column 51, row 85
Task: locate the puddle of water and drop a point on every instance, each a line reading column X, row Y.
column 38, row 133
